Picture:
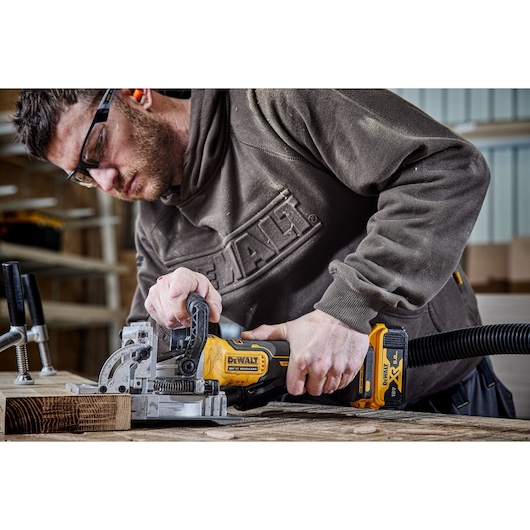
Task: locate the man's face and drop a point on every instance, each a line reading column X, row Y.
column 147, row 154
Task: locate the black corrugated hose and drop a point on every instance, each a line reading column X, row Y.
column 479, row 341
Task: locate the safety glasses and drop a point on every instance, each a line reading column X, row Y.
column 98, row 144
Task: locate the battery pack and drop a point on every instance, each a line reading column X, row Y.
column 389, row 348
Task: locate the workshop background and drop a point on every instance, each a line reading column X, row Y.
column 79, row 242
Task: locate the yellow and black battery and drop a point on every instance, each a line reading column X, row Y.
column 31, row 228
column 382, row 377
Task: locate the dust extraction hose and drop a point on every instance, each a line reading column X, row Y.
column 492, row 339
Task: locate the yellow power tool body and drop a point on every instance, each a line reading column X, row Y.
column 253, row 372
column 238, row 362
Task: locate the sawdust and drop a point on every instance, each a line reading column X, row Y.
column 220, row 435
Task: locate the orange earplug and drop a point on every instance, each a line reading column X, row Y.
column 137, row 94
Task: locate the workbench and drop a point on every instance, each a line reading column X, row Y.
column 319, row 484
column 106, row 418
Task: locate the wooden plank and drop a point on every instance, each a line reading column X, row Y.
column 290, row 422
column 47, row 407
column 46, row 411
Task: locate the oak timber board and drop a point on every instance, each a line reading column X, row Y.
column 48, row 407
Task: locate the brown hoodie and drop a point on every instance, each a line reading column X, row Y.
column 351, row 201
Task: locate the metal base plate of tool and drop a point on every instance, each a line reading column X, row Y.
column 47, row 406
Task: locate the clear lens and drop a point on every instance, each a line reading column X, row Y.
column 99, row 144
column 82, row 179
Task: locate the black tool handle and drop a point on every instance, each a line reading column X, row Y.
column 33, row 298
column 14, row 293
column 189, row 343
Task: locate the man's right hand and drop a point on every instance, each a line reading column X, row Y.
column 326, row 354
column 166, row 300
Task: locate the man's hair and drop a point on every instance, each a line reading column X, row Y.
column 38, row 112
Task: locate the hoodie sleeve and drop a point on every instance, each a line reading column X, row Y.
column 430, row 185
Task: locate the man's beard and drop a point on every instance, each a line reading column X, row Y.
column 159, row 154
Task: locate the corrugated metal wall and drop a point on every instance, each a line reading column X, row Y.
column 506, row 210
column 460, row 105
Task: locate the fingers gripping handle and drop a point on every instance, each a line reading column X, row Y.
column 188, row 344
column 14, row 293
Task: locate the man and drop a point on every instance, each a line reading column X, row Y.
column 313, row 213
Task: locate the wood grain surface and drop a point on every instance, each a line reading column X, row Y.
column 92, row 420
column 48, row 407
